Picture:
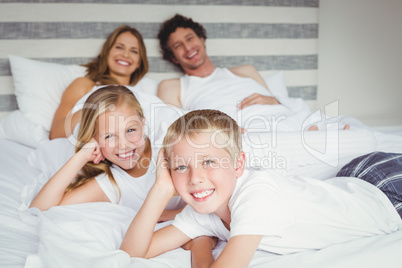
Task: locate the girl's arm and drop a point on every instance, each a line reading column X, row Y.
column 53, row 192
column 140, row 239
column 78, row 88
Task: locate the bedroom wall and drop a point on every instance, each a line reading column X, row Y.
column 360, row 59
column 270, row 34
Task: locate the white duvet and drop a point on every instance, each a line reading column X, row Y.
column 89, row 235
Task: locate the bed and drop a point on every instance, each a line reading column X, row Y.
column 41, row 50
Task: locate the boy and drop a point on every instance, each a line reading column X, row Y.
column 249, row 209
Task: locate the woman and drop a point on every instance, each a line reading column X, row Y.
column 122, row 61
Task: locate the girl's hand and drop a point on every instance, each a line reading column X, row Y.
column 163, row 177
column 92, row 152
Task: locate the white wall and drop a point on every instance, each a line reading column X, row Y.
column 360, row 59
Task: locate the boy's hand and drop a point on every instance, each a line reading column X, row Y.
column 163, row 177
column 92, row 152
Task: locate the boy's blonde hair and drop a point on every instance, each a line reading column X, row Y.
column 223, row 129
column 99, row 102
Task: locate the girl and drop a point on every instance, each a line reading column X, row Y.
column 122, row 61
column 114, row 156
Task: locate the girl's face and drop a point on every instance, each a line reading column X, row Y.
column 124, row 56
column 121, row 136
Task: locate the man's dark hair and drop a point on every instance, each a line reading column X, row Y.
column 170, row 26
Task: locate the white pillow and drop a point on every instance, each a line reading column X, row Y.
column 40, row 85
column 16, row 127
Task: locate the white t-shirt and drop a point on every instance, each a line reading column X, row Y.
column 222, row 90
column 133, row 190
column 297, row 213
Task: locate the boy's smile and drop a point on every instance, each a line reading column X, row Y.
column 204, row 176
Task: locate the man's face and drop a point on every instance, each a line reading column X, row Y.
column 188, row 49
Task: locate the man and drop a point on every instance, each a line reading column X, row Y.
column 183, row 43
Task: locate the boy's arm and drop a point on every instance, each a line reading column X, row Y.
column 140, row 239
column 238, row 252
column 201, row 251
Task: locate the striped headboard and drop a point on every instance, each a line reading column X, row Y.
column 269, row 34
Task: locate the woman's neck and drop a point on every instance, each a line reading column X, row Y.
column 122, row 80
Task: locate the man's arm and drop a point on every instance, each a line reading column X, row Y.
column 169, row 92
column 251, row 72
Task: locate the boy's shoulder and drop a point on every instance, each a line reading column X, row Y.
column 256, row 176
column 257, row 182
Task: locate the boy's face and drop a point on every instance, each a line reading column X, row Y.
column 204, row 175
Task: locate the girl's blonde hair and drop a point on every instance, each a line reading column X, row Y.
column 225, row 133
column 98, row 70
column 99, row 102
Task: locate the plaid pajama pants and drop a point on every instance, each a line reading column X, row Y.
column 383, row 170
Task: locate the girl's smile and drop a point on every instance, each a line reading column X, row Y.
column 121, row 137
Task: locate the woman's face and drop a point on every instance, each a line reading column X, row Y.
column 124, row 57
column 120, row 135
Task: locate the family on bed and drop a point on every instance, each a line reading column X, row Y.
column 198, row 178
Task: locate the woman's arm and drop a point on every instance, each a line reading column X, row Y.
column 78, row 88
column 53, row 192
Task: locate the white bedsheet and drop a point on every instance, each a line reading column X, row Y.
column 88, row 235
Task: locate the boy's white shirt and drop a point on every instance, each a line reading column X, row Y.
column 297, row 213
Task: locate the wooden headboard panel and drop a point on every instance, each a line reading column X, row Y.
column 270, row 34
